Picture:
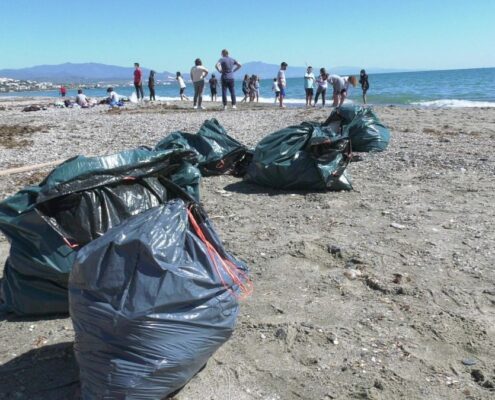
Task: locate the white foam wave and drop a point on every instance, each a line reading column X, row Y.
column 453, row 103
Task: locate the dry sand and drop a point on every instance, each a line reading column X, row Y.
column 384, row 292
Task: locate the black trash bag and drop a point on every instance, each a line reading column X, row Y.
column 362, row 126
column 151, row 302
column 78, row 201
column 217, row 152
column 304, row 157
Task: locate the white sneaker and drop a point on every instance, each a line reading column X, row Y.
column 202, row 107
column 195, row 107
column 234, row 107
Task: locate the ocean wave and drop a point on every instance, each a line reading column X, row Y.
column 453, row 103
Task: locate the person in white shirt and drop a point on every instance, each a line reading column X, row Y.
column 182, row 86
column 322, row 87
column 113, row 97
column 81, row 99
column 309, row 82
column 340, row 87
column 282, row 83
column 198, row 75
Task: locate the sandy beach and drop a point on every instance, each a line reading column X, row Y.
column 383, row 292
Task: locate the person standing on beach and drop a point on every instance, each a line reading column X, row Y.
column 322, row 87
column 63, row 91
column 282, row 83
column 227, row 66
column 365, row 85
column 138, row 81
column 257, row 88
column 151, row 85
column 198, row 75
column 245, row 88
column 182, row 86
column 276, row 89
column 309, row 82
column 213, row 87
column 340, row 88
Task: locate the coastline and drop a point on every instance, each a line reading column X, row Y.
column 417, row 227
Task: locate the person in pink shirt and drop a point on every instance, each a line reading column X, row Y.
column 138, row 81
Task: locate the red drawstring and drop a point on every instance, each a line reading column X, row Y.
column 238, row 276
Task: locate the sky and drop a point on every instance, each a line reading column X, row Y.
column 169, row 35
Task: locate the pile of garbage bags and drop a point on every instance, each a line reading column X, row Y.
column 216, row 151
column 151, row 301
column 305, row 156
column 361, row 125
column 77, row 202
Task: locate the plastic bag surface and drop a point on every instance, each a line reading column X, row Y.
column 303, row 157
column 78, row 201
column 148, row 305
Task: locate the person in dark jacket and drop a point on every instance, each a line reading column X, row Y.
column 151, row 85
column 365, row 85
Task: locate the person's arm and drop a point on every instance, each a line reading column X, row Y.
column 237, row 66
column 205, row 72
column 218, row 67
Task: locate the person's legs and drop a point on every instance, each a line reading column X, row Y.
column 196, row 93
column 201, row 86
column 343, row 96
column 318, row 91
column 231, row 86
column 336, row 98
column 224, row 92
column 282, row 96
column 364, row 96
column 136, row 86
column 323, row 97
column 142, row 91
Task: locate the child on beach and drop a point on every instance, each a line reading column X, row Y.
column 340, row 88
column 151, row 85
column 365, row 85
column 182, row 86
column 81, row 99
column 252, row 88
column 322, row 87
column 276, row 89
column 282, row 83
column 309, row 82
column 213, row 87
column 245, row 88
column 198, row 75
column 113, row 98
column 257, row 88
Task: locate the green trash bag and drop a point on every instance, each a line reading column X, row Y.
column 302, row 157
column 77, row 202
column 364, row 129
column 217, row 152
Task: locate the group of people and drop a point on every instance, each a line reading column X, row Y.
column 315, row 87
column 227, row 66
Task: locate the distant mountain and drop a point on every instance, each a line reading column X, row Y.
column 94, row 72
column 78, row 73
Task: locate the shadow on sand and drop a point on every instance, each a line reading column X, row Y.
column 47, row 373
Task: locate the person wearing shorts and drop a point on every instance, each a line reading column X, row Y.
column 309, row 81
column 213, row 87
column 182, row 86
column 340, row 87
column 282, row 83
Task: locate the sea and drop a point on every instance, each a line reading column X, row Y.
column 432, row 89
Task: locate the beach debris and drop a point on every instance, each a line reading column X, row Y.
column 469, row 361
column 33, row 108
column 334, row 250
column 397, row 226
column 477, row 375
column 305, row 156
column 182, row 304
column 48, row 223
column 217, row 153
column 352, row 274
column 362, row 126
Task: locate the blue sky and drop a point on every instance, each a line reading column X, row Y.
column 408, row 34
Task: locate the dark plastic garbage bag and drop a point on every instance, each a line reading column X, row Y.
column 217, row 152
column 149, row 305
column 304, row 157
column 43, row 223
column 362, row 126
